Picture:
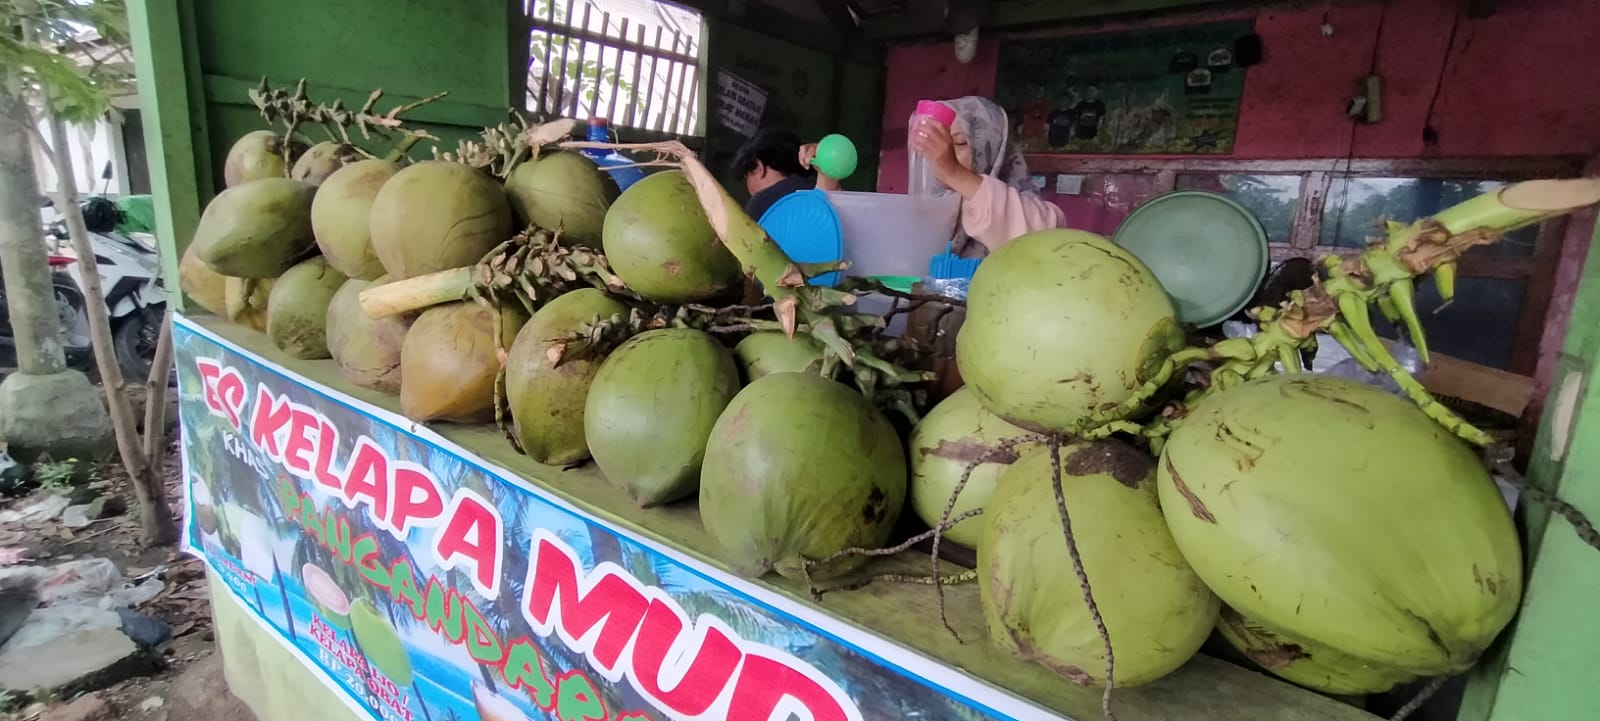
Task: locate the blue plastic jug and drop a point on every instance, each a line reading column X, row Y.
column 610, row 160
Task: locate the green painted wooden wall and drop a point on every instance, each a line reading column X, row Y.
column 1546, row 667
column 197, row 59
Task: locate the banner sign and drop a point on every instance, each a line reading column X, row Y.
column 1171, row 90
column 426, row 584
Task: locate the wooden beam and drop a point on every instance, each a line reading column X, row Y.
column 928, row 17
column 838, row 13
column 1510, row 168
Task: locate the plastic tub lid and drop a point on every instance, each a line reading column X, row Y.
column 1209, row 252
column 805, row 226
column 902, row 283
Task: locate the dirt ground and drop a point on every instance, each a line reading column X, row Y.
column 191, row 687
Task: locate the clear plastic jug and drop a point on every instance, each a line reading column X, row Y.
column 920, row 180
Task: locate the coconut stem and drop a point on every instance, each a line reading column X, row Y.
column 423, row 291
column 945, row 522
column 1083, row 577
column 1499, row 460
column 817, row 593
column 1421, row 698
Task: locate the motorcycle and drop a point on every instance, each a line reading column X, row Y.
column 76, row 343
column 130, row 276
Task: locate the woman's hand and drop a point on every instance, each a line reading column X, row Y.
column 808, row 153
column 934, row 141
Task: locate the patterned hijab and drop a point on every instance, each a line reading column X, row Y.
column 989, row 134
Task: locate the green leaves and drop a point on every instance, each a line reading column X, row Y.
column 70, row 54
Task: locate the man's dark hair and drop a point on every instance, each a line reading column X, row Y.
column 773, row 147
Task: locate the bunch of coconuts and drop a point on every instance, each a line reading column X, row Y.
column 1332, row 533
column 670, row 415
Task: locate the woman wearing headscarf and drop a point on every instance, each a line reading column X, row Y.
column 975, row 158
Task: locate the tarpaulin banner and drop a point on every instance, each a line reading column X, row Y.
column 428, row 584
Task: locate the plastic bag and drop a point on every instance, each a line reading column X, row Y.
column 1403, row 353
column 948, row 287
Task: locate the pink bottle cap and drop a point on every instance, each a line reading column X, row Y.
column 938, row 111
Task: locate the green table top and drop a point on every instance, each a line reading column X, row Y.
column 1205, row 689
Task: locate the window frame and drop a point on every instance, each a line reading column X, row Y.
column 1316, row 179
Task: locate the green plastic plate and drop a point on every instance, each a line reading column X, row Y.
column 1208, row 251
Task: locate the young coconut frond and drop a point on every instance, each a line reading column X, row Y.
column 529, row 269
column 509, row 144
column 296, row 110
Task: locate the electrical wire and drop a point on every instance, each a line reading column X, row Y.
column 1350, row 142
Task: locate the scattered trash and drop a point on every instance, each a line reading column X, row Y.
column 46, row 509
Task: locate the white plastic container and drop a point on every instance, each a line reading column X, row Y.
column 893, row 234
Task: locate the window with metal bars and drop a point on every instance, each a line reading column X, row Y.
column 633, row 62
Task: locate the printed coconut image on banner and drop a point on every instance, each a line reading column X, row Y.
column 428, row 587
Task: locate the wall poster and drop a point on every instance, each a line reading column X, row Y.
column 740, row 103
column 1159, row 91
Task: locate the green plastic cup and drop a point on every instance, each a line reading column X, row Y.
column 836, row 157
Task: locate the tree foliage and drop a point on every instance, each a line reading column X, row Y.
column 70, row 54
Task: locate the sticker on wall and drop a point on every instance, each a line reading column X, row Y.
column 740, row 103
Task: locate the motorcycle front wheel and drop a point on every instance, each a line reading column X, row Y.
column 135, row 340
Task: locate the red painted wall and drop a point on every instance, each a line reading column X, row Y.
column 1521, row 82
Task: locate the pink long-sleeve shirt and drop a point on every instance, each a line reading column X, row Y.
column 998, row 213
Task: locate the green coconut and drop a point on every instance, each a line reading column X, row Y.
column 651, row 407
column 245, row 300
column 659, row 242
column 449, row 361
column 341, row 217
column 954, row 434
column 257, row 229
column 206, row 287
column 565, row 191
column 297, row 308
column 547, row 400
column 800, row 467
column 257, row 155
column 437, row 215
column 1062, row 323
column 322, row 160
column 1156, row 610
column 1305, row 663
column 381, row 642
column 1389, row 541
column 324, row 593
column 768, row 352
column 366, row 349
